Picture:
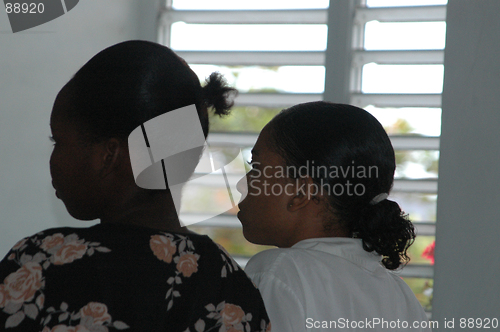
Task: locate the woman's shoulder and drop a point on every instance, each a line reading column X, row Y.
column 51, row 231
column 57, row 234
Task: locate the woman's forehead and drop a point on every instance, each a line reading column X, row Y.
column 61, row 106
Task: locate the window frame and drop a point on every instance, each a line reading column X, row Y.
column 343, row 63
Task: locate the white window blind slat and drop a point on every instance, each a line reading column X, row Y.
column 428, row 186
column 425, row 228
column 308, row 58
column 414, row 57
column 396, row 100
column 400, row 14
column 399, row 142
column 298, row 16
column 273, row 100
column 255, row 58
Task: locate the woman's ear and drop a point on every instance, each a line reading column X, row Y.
column 110, row 156
column 306, row 192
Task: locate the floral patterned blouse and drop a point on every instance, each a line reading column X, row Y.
column 112, row 277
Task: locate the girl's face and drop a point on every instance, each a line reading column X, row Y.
column 263, row 212
column 73, row 165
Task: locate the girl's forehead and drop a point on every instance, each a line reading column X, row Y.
column 263, row 141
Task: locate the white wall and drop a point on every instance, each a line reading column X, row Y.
column 34, row 65
column 467, row 256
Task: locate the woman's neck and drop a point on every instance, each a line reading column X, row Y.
column 148, row 209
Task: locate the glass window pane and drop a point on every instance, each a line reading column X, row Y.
column 404, row 35
column 419, row 207
column 249, row 4
column 422, row 288
column 408, row 120
column 290, row 79
column 416, row 164
column 422, row 250
column 243, row 119
column 402, row 78
column 401, row 3
column 248, row 37
column 205, row 200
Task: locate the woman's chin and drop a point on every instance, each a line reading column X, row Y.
column 79, row 213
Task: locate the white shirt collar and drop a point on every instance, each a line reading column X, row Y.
column 347, row 248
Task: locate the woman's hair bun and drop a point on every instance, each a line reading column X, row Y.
column 387, row 230
column 217, row 94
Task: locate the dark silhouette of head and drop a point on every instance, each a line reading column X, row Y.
column 347, row 152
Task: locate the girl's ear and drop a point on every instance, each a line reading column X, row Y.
column 306, row 192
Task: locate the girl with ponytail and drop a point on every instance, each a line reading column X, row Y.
column 318, row 189
column 138, row 269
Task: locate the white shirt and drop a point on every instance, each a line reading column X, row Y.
column 320, row 284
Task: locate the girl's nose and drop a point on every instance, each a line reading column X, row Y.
column 242, row 187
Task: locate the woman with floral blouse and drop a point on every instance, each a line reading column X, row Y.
column 139, row 269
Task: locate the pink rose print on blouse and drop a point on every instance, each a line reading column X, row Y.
column 98, row 312
column 66, row 249
column 70, row 252
column 92, row 317
column 64, row 328
column 163, row 247
column 232, row 315
column 18, row 289
column 52, row 241
column 233, row 329
column 4, row 296
column 22, row 292
column 188, row 264
column 21, row 286
column 19, row 244
column 231, row 318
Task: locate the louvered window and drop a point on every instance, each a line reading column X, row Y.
column 385, row 56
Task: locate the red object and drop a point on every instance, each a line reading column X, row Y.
column 429, row 252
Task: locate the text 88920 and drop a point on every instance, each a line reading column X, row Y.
column 25, row 8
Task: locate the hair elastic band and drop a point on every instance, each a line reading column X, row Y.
column 379, row 198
